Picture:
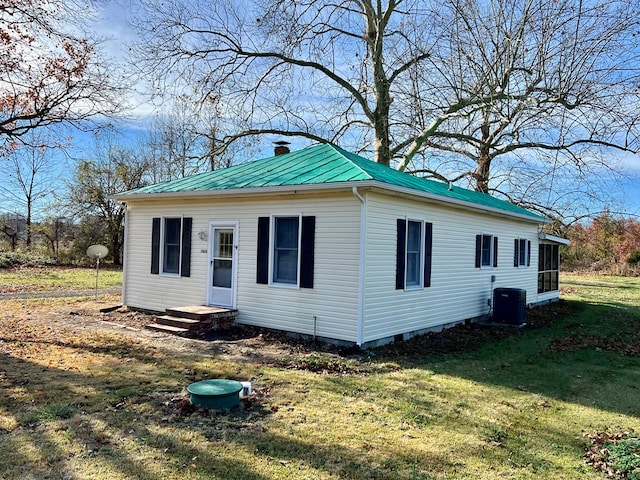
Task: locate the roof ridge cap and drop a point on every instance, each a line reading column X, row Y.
column 346, row 155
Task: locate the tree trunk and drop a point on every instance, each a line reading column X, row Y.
column 28, row 223
column 380, row 120
column 482, row 173
column 382, row 149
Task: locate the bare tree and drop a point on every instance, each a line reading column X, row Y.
column 113, row 169
column 460, row 90
column 29, row 177
column 9, row 229
column 55, row 230
column 177, row 144
column 50, row 68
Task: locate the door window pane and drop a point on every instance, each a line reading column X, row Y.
column 222, row 258
column 222, row 273
column 224, row 244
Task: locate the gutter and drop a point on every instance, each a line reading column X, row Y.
column 123, row 295
column 363, row 243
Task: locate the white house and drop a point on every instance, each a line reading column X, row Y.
column 326, row 243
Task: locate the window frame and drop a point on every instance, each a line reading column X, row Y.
column 549, row 275
column 493, row 260
column 522, row 256
column 272, row 251
column 163, row 245
column 426, row 253
column 157, row 246
column 419, row 285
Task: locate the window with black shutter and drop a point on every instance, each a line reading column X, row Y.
column 171, row 246
column 286, row 251
column 413, row 254
column 486, row 251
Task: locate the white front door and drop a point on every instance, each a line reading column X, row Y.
column 222, row 264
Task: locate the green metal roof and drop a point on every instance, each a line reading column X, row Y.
column 323, row 164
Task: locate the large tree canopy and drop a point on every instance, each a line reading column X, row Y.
column 505, row 95
column 50, row 70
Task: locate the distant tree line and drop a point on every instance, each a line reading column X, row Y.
column 45, row 210
column 608, row 244
column 529, row 101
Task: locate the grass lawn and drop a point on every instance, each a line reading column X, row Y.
column 38, row 279
column 498, row 405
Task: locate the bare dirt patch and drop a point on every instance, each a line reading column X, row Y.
column 67, row 322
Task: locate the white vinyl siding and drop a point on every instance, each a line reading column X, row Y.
column 458, row 291
column 330, row 307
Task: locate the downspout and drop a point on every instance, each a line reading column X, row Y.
column 363, row 232
column 124, row 253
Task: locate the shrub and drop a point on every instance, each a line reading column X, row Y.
column 634, row 258
column 17, row 258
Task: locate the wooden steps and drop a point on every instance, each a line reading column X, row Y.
column 194, row 320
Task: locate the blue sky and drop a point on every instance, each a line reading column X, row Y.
column 112, row 25
column 625, row 194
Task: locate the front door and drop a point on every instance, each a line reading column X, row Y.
column 222, row 264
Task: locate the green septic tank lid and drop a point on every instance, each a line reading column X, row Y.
column 216, row 393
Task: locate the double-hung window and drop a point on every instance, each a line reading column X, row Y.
column 413, row 272
column 486, row 251
column 413, row 254
column 521, row 252
column 172, row 228
column 286, row 245
column 171, row 246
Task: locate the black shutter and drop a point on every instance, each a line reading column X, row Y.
column 495, row 251
column 155, row 246
column 428, row 245
column 528, row 253
column 185, row 264
column 478, row 250
column 400, row 252
column 262, row 256
column 307, row 251
column 516, row 253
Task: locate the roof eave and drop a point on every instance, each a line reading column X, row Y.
column 232, row 192
column 293, row 189
column 445, row 200
column 554, row 239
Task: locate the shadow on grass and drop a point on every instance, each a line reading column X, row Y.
column 144, row 437
column 98, row 434
column 580, row 352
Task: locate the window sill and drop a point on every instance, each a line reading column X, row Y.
column 291, row 286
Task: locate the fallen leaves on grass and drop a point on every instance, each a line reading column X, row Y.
column 615, row 454
column 630, row 347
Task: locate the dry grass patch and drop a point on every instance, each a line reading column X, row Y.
column 95, row 396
